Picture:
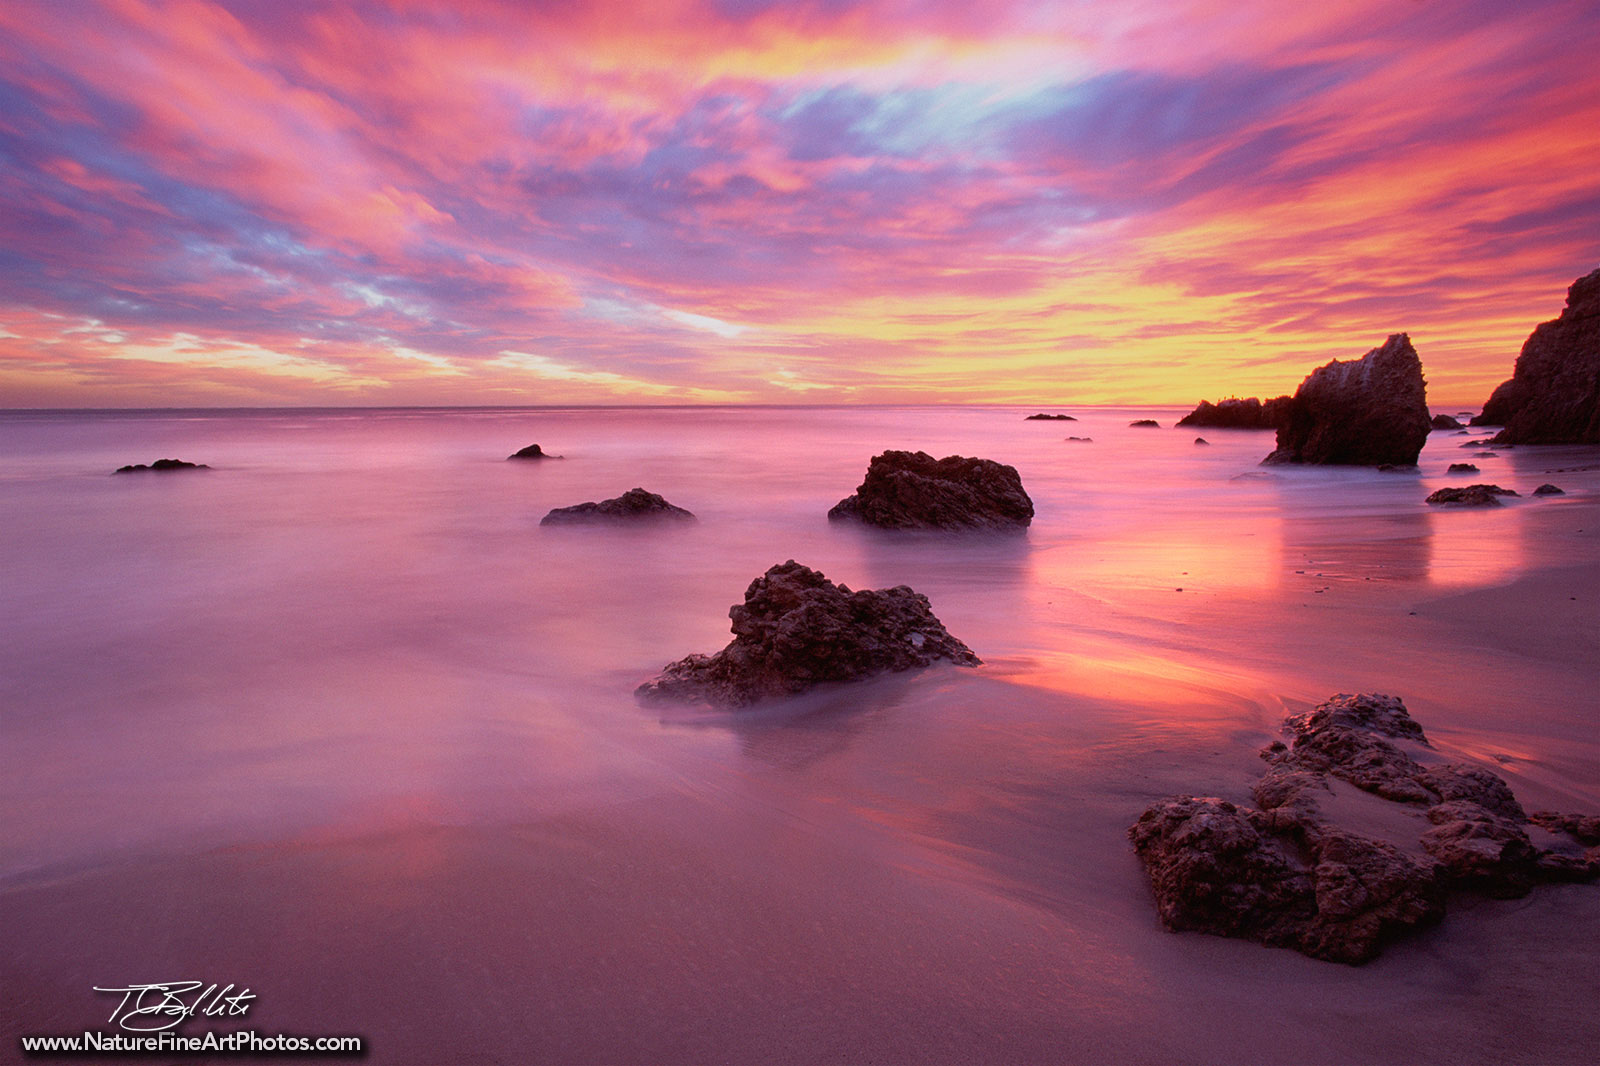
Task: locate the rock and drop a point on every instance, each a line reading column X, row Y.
column 1082, row 440
column 1234, row 413
column 161, row 465
column 1553, row 394
column 635, row 505
column 1050, row 418
column 1480, row 850
column 796, row 629
column 533, row 451
column 1145, row 423
column 1348, row 737
column 1583, row 828
column 1462, row 468
column 1289, row 874
column 1217, row 868
column 1363, row 412
column 913, row 490
column 1445, row 422
column 1201, row 440
column 1470, row 496
column 1548, row 489
column 1369, row 712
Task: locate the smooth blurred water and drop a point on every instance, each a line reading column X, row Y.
column 354, row 618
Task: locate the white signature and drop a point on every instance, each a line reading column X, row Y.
column 164, row 1004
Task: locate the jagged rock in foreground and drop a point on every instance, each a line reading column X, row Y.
column 1288, row 874
column 913, row 490
column 1362, row 412
column 796, row 629
column 532, row 451
column 1470, row 496
column 160, row 465
column 1234, row 413
column 635, row 505
column 1553, row 394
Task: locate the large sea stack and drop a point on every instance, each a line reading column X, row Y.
column 1553, row 395
column 1362, row 412
column 796, row 629
column 913, row 490
column 1234, row 413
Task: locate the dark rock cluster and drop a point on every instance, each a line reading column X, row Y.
column 1049, row 418
column 635, row 505
column 913, row 490
column 161, row 465
column 1445, row 422
column 1363, row 412
column 1471, row 496
column 796, row 629
column 1234, row 413
column 1288, row 874
column 1553, row 394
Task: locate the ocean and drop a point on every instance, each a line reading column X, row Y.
column 352, row 627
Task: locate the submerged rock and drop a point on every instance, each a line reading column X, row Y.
column 1289, row 874
column 1462, row 468
column 1553, row 394
column 1234, row 413
column 796, row 629
column 532, row 451
column 1201, row 440
column 1049, row 418
column 1445, row 422
column 913, row 490
column 161, row 465
column 1361, row 412
column 1082, row 440
column 635, row 505
column 1471, row 496
column 1145, row 423
column 1548, row 489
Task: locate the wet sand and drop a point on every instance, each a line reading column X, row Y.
column 928, row 868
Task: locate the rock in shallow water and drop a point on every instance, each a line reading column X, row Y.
column 796, row 629
column 532, row 451
column 1470, row 496
column 161, row 465
column 1234, row 413
column 635, row 505
column 913, row 490
column 1290, row 875
column 1553, row 394
column 1361, row 412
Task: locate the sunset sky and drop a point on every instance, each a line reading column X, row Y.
column 723, row 201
